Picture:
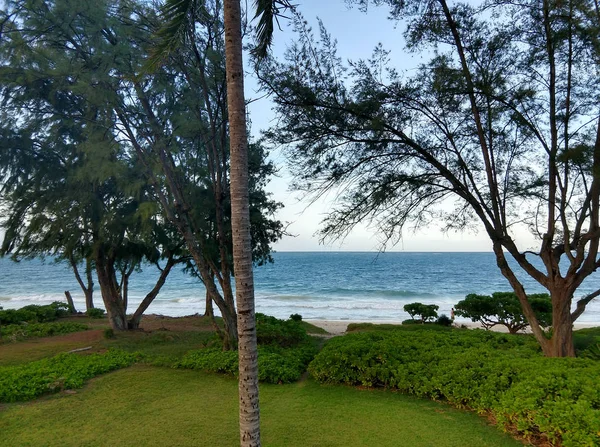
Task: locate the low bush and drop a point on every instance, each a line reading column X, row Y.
column 94, row 312
column 498, row 374
column 284, row 352
column 34, row 313
column 275, row 365
column 16, row 332
column 444, row 320
column 64, row 371
column 284, row 333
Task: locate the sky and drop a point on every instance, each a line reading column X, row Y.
column 357, row 34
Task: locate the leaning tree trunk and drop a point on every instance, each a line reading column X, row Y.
column 240, row 223
column 136, row 318
column 110, row 295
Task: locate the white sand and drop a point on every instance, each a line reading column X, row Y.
column 338, row 327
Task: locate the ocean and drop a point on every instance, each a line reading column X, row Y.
column 361, row 286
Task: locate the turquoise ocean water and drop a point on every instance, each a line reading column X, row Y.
column 316, row 285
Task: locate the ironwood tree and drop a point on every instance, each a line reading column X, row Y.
column 169, row 127
column 502, row 121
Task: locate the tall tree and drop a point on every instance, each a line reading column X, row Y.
column 503, row 119
column 68, row 184
column 240, row 225
column 178, row 14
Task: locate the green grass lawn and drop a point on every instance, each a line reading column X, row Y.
column 151, row 406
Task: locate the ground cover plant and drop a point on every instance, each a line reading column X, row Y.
column 63, row 371
column 497, row 374
column 151, row 406
column 16, row 332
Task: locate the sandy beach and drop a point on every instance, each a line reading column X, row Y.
column 338, row 327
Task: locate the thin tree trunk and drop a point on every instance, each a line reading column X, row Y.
column 89, row 290
column 240, row 223
column 134, row 321
column 208, row 310
column 70, row 302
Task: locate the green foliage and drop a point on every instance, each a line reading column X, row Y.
column 425, row 312
column 64, row 371
column 95, row 312
column 497, row 373
column 504, row 308
column 407, row 325
column 296, row 317
column 109, row 333
column 444, row 320
column 284, row 352
column 15, row 332
column 34, row 313
column 284, row 333
column 275, row 365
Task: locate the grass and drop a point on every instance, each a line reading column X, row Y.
column 151, row 406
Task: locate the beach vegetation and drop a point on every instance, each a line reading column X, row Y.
column 284, row 352
column 425, row 312
column 504, row 309
column 23, row 331
column 34, row 313
column 63, row 371
column 95, row 313
column 500, row 375
column 492, row 131
column 444, row 320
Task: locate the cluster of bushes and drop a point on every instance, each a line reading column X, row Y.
column 64, row 371
column 497, row 374
column 425, row 313
column 499, row 308
column 34, row 313
column 14, row 332
column 284, row 352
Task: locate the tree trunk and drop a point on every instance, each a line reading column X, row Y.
column 134, row 321
column 70, row 302
column 110, row 295
column 89, row 290
column 240, row 223
column 561, row 342
column 208, row 310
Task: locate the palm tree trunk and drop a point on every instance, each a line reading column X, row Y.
column 240, row 222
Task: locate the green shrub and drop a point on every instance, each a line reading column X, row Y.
column 284, row 333
column 296, row 317
column 109, row 333
column 34, row 313
column 15, row 332
column 94, row 312
column 275, row 365
column 426, row 312
column 493, row 373
column 64, row 371
column 444, row 320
